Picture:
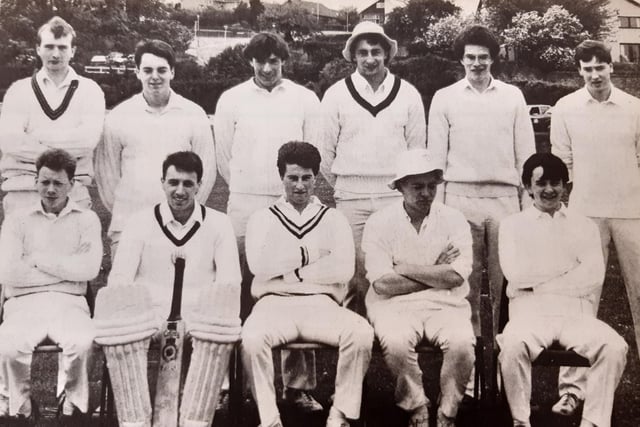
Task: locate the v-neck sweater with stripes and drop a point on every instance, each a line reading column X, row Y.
column 360, row 142
column 317, row 242
column 145, row 251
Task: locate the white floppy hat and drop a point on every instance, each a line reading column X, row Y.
column 413, row 162
column 368, row 27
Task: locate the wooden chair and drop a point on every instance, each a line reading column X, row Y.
column 553, row 356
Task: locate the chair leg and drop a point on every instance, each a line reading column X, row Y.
column 103, row 394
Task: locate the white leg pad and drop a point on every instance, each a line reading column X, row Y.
column 128, row 373
column 207, row 370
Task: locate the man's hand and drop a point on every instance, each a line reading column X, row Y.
column 178, row 253
column 448, row 255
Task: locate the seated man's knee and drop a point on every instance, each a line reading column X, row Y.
column 461, row 343
column 10, row 348
column 399, row 342
column 615, row 348
column 362, row 334
column 254, row 338
column 512, row 345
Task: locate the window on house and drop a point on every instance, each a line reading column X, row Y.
column 630, row 22
column 630, row 52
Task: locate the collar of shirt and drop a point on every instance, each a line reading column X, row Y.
column 173, row 104
column 71, row 206
column 363, row 87
column 283, row 85
column 45, row 82
column 537, row 214
column 312, row 208
column 169, row 222
column 466, row 85
column 614, row 97
column 433, row 212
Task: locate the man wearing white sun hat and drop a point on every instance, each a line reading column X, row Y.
column 369, row 118
column 418, row 258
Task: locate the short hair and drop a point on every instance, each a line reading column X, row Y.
column 590, row 49
column 553, row 168
column 263, row 45
column 477, row 35
column 59, row 27
column 57, row 160
column 157, row 48
column 185, row 161
column 298, row 153
column 372, row 39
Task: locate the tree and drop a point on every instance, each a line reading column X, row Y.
column 256, row 8
column 439, row 37
column 545, row 41
column 408, row 23
column 242, row 13
column 594, row 15
column 288, row 18
column 348, row 16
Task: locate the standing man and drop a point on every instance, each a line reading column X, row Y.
column 418, row 256
column 49, row 252
column 480, row 135
column 369, row 117
column 140, row 288
column 252, row 121
column 55, row 108
column 552, row 258
column 302, row 254
column 141, row 131
column 596, row 132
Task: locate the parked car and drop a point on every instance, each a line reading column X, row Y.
column 540, row 115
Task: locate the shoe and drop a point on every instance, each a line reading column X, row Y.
column 277, row 423
column 302, row 400
column 336, row 418
column 567, row 405
column 444, row 421
column 69, row 415
column 420, row 417
column 223, row 400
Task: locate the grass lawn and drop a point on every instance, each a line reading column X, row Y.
column 380, row 410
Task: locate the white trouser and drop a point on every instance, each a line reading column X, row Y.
column 28, row 320
column 357, row 211
column 276, row 320
column 400, row 327
column 536, row 322
column 299, row 367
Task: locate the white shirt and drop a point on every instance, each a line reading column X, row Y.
column 366, row 91
column 252, row 123
column 136, row 141
column 389, row 238
column 600, row 143
column 559, row 255
column 481, row 138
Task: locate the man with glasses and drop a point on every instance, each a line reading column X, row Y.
column 480, row 134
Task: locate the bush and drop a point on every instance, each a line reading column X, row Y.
column 542, row 92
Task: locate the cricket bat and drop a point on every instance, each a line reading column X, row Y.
column 167, row 400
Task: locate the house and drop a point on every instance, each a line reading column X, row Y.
column 375, row 12
column 625, row 37
column 229, row 5
column 322, row 14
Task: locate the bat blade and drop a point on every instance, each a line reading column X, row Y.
column 167, row 400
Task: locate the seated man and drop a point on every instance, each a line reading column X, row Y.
column 418, row 257
column 301, row 253
column 49, row 252
column 553, row 261
column 140, row 288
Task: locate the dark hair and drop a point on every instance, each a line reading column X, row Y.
column 298, row 153
column 372, row 39
column 589, row 49
column 185, row 161
column 262, row 45
column 553, row 168
column 157, row 48
column 57, row 160
column 59, row 27
column 477, row 35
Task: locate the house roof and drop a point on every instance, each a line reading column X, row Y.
column 315, row 7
